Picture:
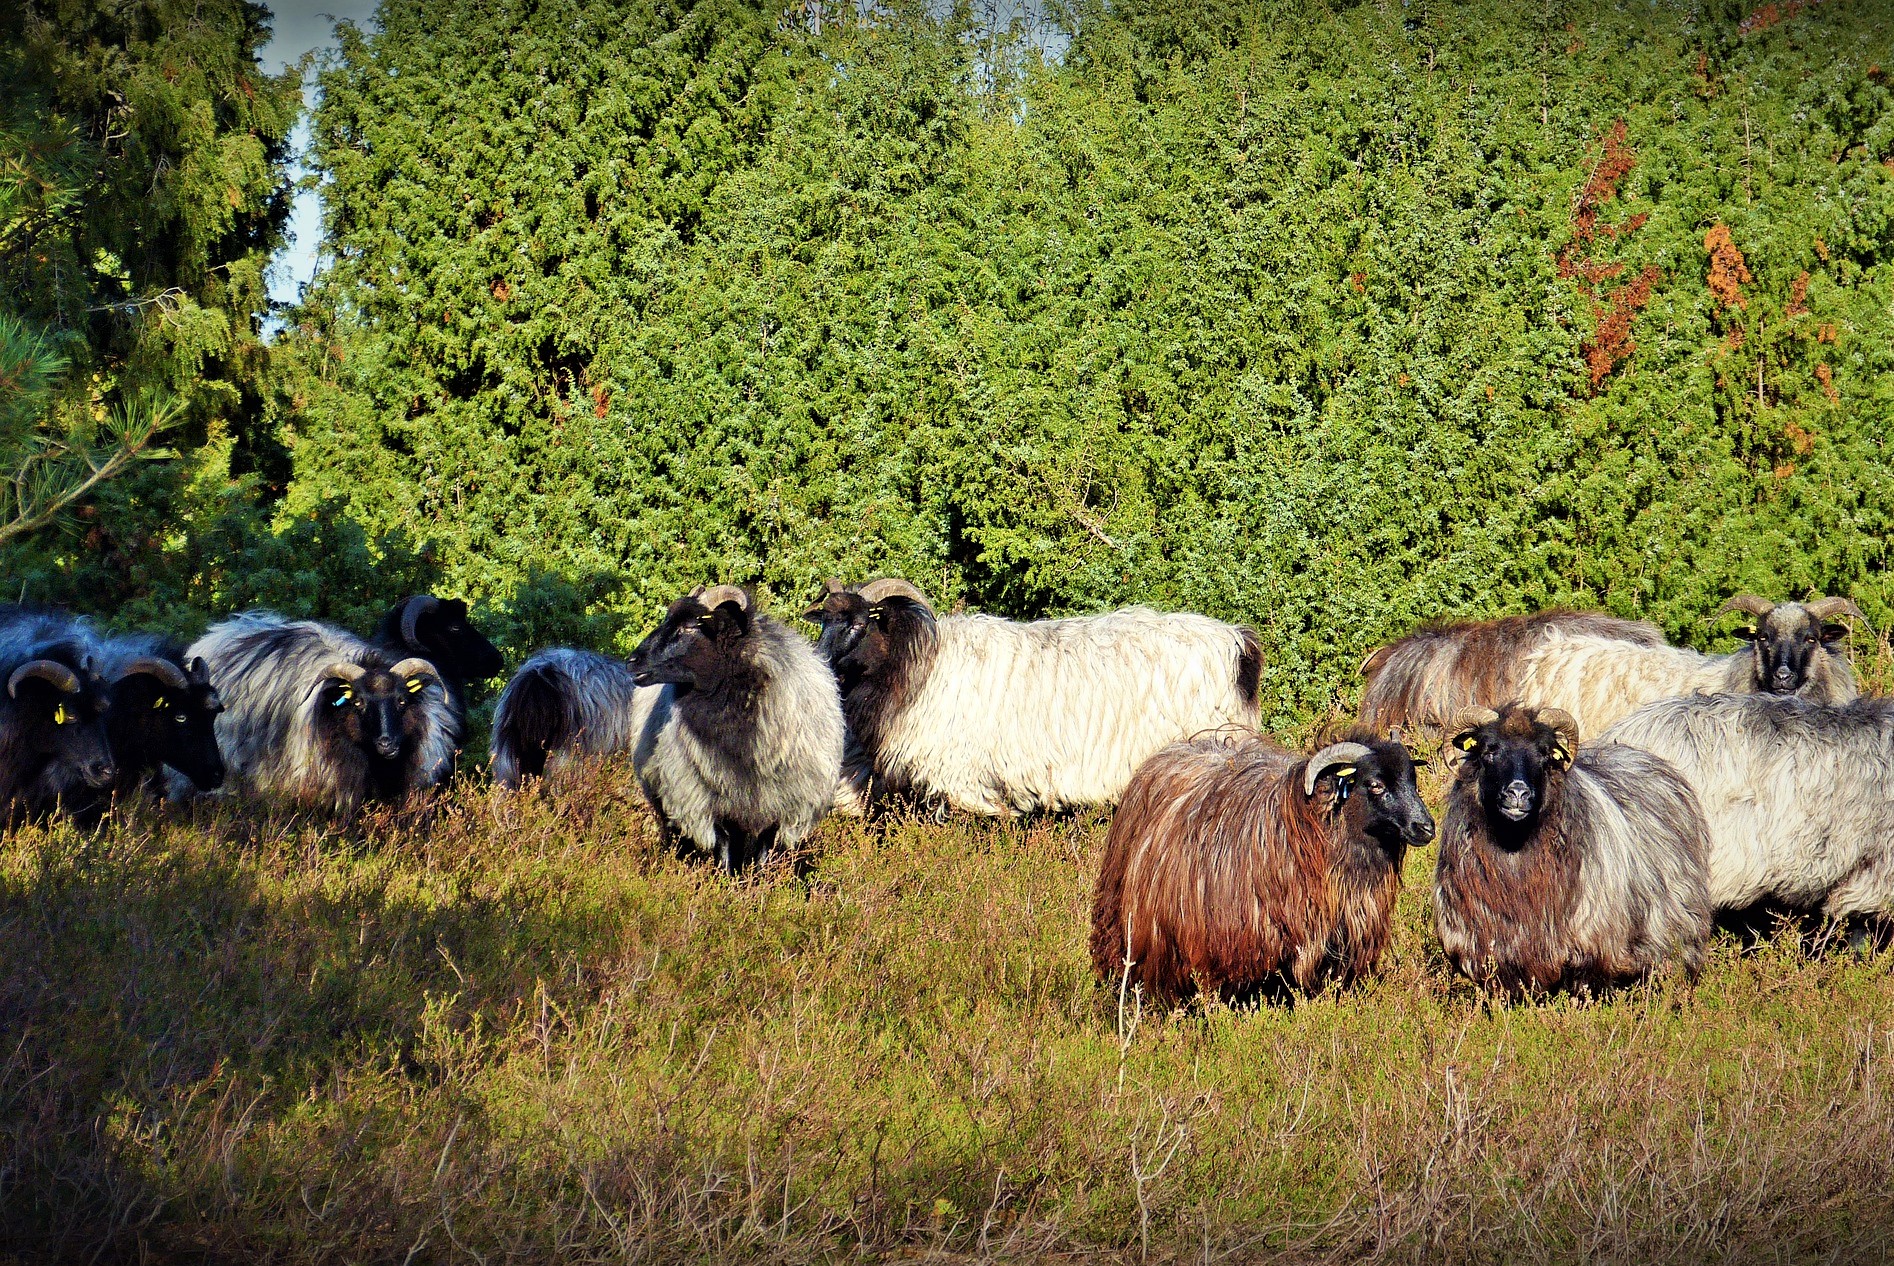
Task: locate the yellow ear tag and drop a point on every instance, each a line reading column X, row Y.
column 416, row 685
column 1468, row 743
column 60, row 716
column 159, row 702
column 1565, row 757
column 1347, row 771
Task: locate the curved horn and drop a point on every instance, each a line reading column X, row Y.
column 717, row 595
column 422, row 604
column 1471, row 719
column 1748, row 604
column 833, row 585
column 881, row 590
column 415, row 666
column 342, row 670
column 61, row 677
column 1329, row 757
column 1564, row 723
column 163, row 669
column 1829, row 608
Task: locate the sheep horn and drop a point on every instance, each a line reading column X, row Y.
column 1329, row 757
column 412, row 611
column 1471, row 719
column 48, row 670
column 717, row 595
column 415, row 666
column 167, row 673
column 1564, row 723
column 833, row 585
column 1829, row 608
column 1749, row 604
column 876, row 592
column 342, row 670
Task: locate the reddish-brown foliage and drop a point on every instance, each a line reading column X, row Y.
column 1728, row 269
column 601, row 400
column 1798, row 296
column 1611, row 343
column 1826, row 377
column 1613, row 166
column 1770, row 14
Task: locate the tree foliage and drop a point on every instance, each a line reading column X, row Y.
column 142, row 190
column 1334, row 320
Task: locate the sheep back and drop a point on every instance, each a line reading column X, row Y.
column 1016, row 718
column 564, row 705
column 1798, row 796
column 1431, row 675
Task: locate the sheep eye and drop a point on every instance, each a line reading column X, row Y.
column 179, row 718
column 1378, row 787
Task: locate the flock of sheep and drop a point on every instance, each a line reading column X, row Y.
column 1610, row 793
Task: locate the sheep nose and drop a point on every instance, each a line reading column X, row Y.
column 1515, row 800
column 387, row 746
column 1784, row 676
column 1423, row 830
column 98, row 773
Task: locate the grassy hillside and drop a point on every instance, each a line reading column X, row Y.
column 516, row 1032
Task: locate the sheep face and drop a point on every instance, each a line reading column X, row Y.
column 1514, row 763
column 1785, row 643
column 697, row 647
column 169, row 715
column 61, row 711
column 376, row 712
column 1377, row 791
column 439, row 629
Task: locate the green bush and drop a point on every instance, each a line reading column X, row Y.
column 1330, row 320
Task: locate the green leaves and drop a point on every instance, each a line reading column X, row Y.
column 1330, row 321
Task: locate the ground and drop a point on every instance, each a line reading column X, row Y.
column 511, row 1029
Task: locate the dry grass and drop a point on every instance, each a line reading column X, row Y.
column 520, row 1034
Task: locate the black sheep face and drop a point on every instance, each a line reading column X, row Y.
column 1785, row 643
column 1384, row 787
column 170, row 725
column 1516, row 760
column 63, row 723
column 446, row 635
column 377, row 713
column 694, row 648
column 860, row 639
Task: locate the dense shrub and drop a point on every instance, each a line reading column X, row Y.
column 1331, row 320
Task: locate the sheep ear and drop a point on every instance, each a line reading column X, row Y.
column 1832, row 633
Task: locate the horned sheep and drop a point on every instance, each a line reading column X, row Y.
column 1233, row 865
column 743, row 749
column 54, row 749
column 319, row 717
column 992, row 716
column 1563, row 866
column 1598, row 668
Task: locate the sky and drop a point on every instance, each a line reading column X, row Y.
column 297, row 26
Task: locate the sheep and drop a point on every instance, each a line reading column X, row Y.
column 563, row 705
column 1232, row 866
column 317, row 716
column 996, row 717
column 1799, row 796
column 54, row 750
column 438, row 630
column 164, row 713
column 743, row 748
column 1598, row 668
column 1566, row 867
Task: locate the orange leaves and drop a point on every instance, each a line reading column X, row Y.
column 601, row 400
column 1728, row 270
column 1611, row 343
